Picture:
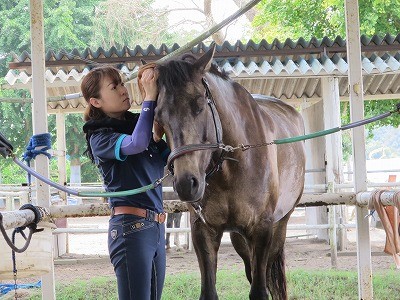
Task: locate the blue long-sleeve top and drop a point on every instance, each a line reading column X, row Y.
column 141, row 136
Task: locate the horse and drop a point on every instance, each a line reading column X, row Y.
column 228, row 170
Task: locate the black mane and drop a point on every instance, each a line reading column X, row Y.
column 174, row 74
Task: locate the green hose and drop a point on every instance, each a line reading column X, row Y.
column 307, row 136
column 118, row 194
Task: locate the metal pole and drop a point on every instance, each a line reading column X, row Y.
column 39, row 117
column 353, row 45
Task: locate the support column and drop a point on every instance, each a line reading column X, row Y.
column 61, row 240
column 313, row 121
column 39, row 119
column 353, row 45
column 333, row 143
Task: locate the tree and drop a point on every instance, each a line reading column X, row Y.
column 69, row 25
column 293, row 19
column 128, row 23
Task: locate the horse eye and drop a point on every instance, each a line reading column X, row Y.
column 198, row 106
column 198, row 111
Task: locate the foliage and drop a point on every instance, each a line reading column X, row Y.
column 232, row 285
column 294, row 19
column 306, row 19
column 372, row 108
column 129, row 23
column 68, row 25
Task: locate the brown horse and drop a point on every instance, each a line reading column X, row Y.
column 248, row 192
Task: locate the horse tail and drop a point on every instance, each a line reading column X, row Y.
column 277, row 279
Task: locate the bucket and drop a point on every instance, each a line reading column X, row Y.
column 34, row 261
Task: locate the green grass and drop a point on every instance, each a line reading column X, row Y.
column 232, row 285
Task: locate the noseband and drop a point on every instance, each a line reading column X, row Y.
column 179, row 151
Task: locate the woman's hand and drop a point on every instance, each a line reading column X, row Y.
column 158, row 131
column 149, row 82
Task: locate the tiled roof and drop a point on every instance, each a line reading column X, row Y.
column 289, row 70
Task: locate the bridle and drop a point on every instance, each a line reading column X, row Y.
column 179, row 151
column 182, row 150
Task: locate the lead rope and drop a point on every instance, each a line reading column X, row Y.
column 15, row 271
column 32, row 229
column 38, row 140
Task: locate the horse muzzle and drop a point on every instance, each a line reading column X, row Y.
column 190, row 188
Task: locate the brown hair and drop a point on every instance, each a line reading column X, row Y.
column 91, row 85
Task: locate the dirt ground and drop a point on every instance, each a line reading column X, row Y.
column 88, row 254
column 301, row 252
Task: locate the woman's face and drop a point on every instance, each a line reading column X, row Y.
column 114, row 98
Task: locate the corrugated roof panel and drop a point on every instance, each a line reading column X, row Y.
column 315, row 65
column 374, row 86
column 341, row 64
column 300, row 87
column 387, row 83
column 252, row 68
column 395, row 88
column 265, row 67
column 277, row 67
column 380, row 64
column 392, row 62
column 367, row 81
column 311, row 88
column 367, row 65
column 303, row 66
column 11, row 77
column 290, row 87
column 239, row 68
column 291, row 66
column 328, row 65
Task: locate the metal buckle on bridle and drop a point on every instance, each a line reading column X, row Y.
column 198, row 210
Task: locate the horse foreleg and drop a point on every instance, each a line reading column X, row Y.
column 260, row 243
column 242, row 248
column 206, row 242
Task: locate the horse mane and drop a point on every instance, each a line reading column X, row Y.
column 176, row 73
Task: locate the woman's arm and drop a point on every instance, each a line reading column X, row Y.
column 140, row 138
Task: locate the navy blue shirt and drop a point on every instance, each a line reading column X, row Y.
column 121, row 173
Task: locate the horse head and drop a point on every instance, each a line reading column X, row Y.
column 184, row 115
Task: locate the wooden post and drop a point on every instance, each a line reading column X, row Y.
column 61, row 240
column 333, row 144
column 356, row 91
column 39, row 117
column 315, row 153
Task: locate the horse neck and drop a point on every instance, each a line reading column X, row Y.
column 234, row 104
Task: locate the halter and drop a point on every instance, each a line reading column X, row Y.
column 179, row 151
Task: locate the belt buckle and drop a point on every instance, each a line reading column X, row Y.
column 161, row 217
column 157, row 217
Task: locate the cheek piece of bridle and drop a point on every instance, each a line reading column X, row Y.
column 179, row 151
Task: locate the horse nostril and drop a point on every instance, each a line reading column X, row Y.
column 194, row 182
column 188, row 187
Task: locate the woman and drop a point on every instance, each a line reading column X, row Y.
column 120, row 144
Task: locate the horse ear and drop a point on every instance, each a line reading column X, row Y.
column 143, row 62
column 204, row 62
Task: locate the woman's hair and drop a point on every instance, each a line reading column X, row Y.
column 91, row 85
